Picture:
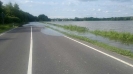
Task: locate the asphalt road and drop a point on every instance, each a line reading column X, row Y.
column 38, row 50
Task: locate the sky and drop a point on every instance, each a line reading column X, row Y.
column 76, row 8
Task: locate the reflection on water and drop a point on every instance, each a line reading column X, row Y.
column 44, row 29
column 51, row 32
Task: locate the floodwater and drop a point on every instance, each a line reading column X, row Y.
column 120, row 26
column 44, row 30
column 51, row 32
column 88, row 35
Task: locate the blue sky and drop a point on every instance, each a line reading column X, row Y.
column 76, row 8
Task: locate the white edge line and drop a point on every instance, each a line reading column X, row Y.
column 101, row 52
column 6, row 32
column 30, row 55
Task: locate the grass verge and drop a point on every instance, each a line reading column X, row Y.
column 5, row 27
column 100, row 44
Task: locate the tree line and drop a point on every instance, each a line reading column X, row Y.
column 104, row 19
column 94, row 19
column 11, row 13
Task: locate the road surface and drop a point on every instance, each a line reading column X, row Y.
column 38, row 50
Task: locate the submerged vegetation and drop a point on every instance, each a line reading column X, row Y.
column 72, row 28
column 123, row 37
column 120, row 36
column 100, row 44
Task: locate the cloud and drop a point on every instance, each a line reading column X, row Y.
column 87, row 0
column 7, row 1
column 74, row 10
column 93, row 9
column 28, row 1
column 84, row 10
column 99, row 10
column 122, row 0
column 106, row 11
column 118, row 11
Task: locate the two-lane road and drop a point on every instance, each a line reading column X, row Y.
column 14, row 51
column 48, row 53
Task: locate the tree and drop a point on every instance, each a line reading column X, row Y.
column 77, row 19
column 13, row 14
column 16, row 6
column 9, row 9
column 1, row 7
column 43, row 17
column 1, row 14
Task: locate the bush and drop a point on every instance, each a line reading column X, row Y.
column 10, row 19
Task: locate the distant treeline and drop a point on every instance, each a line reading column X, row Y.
column 94, row 19
column 11, row 13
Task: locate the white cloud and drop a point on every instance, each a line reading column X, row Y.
column 28, row 1
column 85, row 10
column 122, row 0
column 126, row 13
column 63, row 3
column 74, row 10
column 87, row 0
column 93, row 9
column 118, row 11
column 106, row 11
column 99, row 10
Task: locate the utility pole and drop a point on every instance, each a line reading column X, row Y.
column 3, row 16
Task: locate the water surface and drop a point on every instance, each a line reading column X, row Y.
column 120, row 26
column 103, row 26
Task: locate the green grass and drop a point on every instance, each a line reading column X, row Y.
column 120, row 36
column 100, row 44
column 72, row 28
column 5, row 27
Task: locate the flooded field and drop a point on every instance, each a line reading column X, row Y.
column 119, row 26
